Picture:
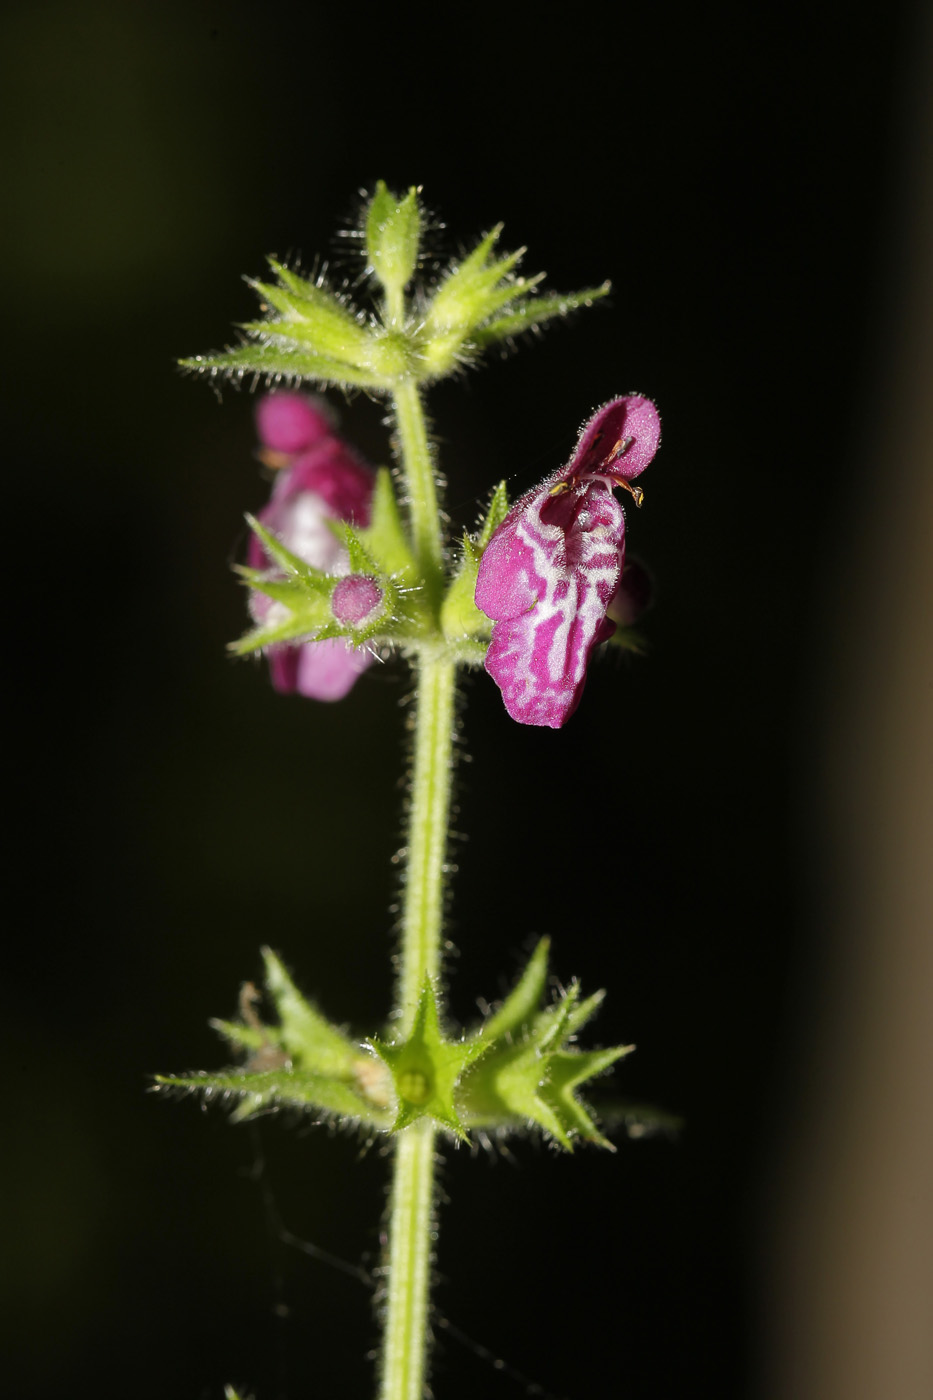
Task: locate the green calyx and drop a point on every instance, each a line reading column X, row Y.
column 304, row 594
column 460, row 617
column 520, row 1071
column 415, row 332
column 392, row 231
column 426, row 1068
column 531, row 1070
column 383, row 553
column 301, row 1062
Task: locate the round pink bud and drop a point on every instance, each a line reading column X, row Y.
column 355, row 599
column 289, row 422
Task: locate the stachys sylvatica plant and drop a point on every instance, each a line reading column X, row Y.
column 346, row 563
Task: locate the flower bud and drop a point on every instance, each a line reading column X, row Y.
column 356, row 600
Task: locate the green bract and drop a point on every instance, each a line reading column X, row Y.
column 520, row 1070
column 312, row 332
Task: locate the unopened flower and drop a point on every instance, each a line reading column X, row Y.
column 554, row 565
column 319, row 478
column 356, row 600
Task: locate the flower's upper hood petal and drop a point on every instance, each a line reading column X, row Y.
column 630, row 417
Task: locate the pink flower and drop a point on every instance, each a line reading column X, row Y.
column 553, row 567
column 319, row 478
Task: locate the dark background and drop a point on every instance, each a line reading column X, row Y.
column 737, row 177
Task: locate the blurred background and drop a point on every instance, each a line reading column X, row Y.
column 735, row 837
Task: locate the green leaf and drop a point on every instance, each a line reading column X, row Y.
column 393, row 235
column 280, row 1088
column 535, row 312
column 426, row 1068
column 308, row 1037
column 519, row 1008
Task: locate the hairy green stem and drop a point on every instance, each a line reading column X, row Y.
column 404, row 1351
column 405, row 1339
column 428, row 817
column 418, row 467
column 410, row 1213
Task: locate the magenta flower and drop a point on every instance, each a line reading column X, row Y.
column 554, row 566
column 319, row 478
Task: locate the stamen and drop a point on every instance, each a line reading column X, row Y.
column 635, row 492
column 620, row 449
column 563, row 486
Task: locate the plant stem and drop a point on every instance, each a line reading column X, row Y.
column 405, row 1340
column 429, row 813
column 415, row 453
column 404, row 1348
column 410, row 1214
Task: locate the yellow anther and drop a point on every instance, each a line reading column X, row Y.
column 635, row 492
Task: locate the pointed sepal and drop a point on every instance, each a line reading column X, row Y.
column 249, row 1093
column 308, row 1038
column 535, row 311
column 520, row 1007
column 274, row 361
column 392, row 232
column 314, row 606
column 532, row 1070
column 291, row 564
column 460, row 617
column 426, row 1068
column 308, row 316
column 302, row 1061
column 385, row 536
column 567, row 1070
